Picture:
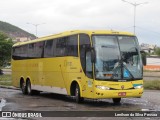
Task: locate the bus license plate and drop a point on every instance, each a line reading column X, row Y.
column 122, row 94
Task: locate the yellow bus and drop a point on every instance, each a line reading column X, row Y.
column 81, row 63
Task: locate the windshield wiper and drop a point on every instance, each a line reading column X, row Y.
column 122, row 66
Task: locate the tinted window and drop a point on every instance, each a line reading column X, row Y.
column 39, row 49
column 67, row 46
column 33, row 50
column 72, row 46
column 20, row 52
column 61, row 47
column 48, row 50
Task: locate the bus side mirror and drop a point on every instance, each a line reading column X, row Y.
column 93, row 55
column 144, row 59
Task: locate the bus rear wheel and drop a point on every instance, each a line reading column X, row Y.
column 116, row 100
column 29, row 89
column 23, row 87
column 78, row 97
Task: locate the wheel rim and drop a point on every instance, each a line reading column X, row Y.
column 77, row 93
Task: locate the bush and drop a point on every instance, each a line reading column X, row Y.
column 5, row 80
column 157, row 51
column 5, row 48
column 152, row 85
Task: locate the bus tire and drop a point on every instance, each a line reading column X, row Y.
column 29, row 89
column 78, row 97
column 116, row 100
column 23, row 87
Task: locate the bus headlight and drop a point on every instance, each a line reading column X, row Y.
column 102, row 87
column 138, row 86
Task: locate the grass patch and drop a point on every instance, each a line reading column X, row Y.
column 151, row 70
column 5, row 80
column 152, row 84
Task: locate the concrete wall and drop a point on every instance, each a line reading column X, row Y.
column 153, row 61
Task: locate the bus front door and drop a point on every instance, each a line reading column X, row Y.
column 89, row 75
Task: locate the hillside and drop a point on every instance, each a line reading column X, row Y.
column 14, row 31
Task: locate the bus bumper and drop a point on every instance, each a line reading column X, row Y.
column 118, row 93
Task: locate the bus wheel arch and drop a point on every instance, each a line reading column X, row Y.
column 23, row 86
column 75, row 91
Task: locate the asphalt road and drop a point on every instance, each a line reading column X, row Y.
column 14, row 100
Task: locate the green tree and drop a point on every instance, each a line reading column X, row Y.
column 157, row 51
column 5, row 48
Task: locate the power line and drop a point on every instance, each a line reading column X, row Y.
column 148, row 30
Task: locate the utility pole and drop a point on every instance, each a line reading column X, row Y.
column 134, row 5
column 36, row 26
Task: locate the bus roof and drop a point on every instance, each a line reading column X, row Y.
column 67, row 33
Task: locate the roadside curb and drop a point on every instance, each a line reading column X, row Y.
column 9, row 87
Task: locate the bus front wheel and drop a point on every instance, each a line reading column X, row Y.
column 78, row 97
column 116, row 100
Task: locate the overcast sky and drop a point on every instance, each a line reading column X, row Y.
column 62, row 15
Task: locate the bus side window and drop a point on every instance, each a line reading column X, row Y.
column 31, row 50
column 54, row 47
column 20, row 52
column 67, row 46
column 24, row 51
column 48, row 49
column 39, row 49
column 72, row 45
column 61, row 47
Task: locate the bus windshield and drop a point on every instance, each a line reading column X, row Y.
column 117, row 57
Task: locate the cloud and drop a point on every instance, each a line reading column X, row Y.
column 62, row 15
